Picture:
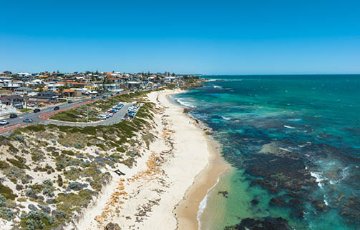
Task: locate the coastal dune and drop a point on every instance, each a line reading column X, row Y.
column 170, row 179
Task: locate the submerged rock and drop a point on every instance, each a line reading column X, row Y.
column 224, row 193
column 267, row 223
column 254, row 202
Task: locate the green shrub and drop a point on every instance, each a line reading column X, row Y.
column 18, row 162
column 34, row 128
column 60, row 181
column 5, row 212
column 7, row 192
column 70, row 202
column 14, row 174
column 4, row 165
column 35, row 220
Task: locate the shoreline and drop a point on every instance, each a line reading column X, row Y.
column 188, row 210
column 170, row 179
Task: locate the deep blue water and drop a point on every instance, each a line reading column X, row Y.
column 295, row 138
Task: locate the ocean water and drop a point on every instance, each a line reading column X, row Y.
column 294, row 142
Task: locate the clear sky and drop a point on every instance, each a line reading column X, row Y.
column 210, row 37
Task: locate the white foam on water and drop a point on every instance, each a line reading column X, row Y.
column 285, row 149
column 184, row 103
column 325, row 201
column 294, row 119
column 229, row 79
column 289, row 127
column 226, row 118
column 319, row 178
column 345, row 172
column 203, row 203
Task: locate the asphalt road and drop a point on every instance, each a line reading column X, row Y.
column 36, row 116
column 42, row 116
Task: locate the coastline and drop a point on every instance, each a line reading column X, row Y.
column 189, row 210
column 171, row 178
column 191, row 207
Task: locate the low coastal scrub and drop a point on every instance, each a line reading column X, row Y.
column 6, row 192
column 36, row 220
column 6, row 208
column 73, row 162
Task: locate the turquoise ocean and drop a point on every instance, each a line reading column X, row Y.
column 294, row 144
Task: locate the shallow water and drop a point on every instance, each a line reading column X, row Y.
column 295, row 142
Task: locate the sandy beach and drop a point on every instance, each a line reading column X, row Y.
column 171, row 178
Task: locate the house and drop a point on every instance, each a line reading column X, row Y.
column 11, row 100
column 169, row 79
column 71, row 93
column 36, row 82
column 23, row 74
column 47, row 96
column 9, row 84
column 52, row 86
column 23, row 91
column 133, row 85
column 112, row 87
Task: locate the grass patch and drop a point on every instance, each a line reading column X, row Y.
column 33, row 128
column 25, row 110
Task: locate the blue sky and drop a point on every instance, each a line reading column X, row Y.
column 210, row 37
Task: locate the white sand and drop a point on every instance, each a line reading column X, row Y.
column 146, row 197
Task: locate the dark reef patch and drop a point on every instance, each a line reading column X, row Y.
column 266, row 223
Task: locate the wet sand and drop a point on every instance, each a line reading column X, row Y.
column 188, row 210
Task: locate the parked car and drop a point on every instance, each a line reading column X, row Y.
column 56, row 108
column 102, row 116
column 28, row 120
column 131, row 114
column 69, row 101
column 36, row 110
column 13, row 115
column 19, row 106
column 4, row 122
column 112, row 110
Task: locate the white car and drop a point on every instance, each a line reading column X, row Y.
column 102, row 116
column 4, row 122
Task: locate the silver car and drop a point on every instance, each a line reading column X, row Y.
column 4, row 122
